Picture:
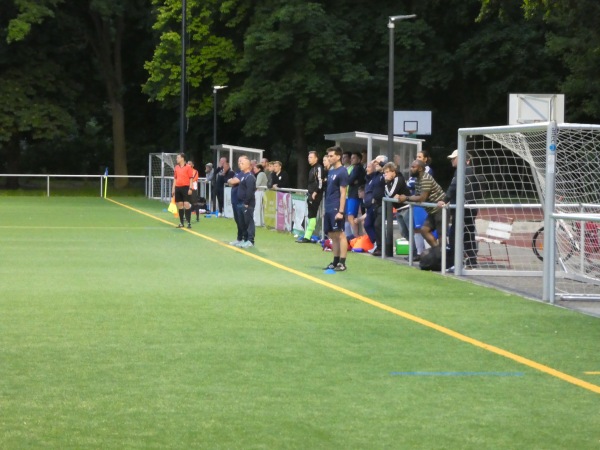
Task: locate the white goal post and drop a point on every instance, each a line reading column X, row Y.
column 543, row 179
column 161, row 167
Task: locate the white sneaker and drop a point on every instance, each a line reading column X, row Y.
column 373, row 249
column 246, row 244
column 236, row 243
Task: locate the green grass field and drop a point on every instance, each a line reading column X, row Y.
column 119, row 331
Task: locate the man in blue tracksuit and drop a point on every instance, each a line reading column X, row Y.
column 244, row 204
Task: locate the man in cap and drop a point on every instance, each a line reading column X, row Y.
column 471, row 192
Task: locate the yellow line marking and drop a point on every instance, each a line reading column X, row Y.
column 592, row 373
column 447, row 331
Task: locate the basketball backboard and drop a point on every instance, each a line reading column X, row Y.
column 412, row 122
column 531, row 108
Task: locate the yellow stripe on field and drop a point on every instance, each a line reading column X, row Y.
column 447, row 331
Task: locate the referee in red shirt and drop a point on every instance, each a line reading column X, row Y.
column 182, row 190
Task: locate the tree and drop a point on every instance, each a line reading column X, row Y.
column 296, row 65
column 99, row 25
column 572, row 36
column 38, row 99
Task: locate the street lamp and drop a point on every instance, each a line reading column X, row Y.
column 391, row 26
column 215, row 89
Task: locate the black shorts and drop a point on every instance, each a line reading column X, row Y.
column 330, row 224
column 181, row 194
column 434, row 221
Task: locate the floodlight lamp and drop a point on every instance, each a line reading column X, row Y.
column 394, row 18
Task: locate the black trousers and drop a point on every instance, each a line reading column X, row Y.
column 469, row 233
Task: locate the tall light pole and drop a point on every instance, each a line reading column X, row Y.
column 215, row 89
column 183, row 77
column 391, row 25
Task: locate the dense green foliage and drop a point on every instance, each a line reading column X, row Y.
column 91, row 84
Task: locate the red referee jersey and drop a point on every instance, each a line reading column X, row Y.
column 183, row 175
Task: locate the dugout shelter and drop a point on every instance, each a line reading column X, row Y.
column 404, row 151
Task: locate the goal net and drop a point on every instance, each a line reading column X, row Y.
column 520, row 180
column 161, row 168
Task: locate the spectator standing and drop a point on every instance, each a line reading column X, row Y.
column 245, row 185
column 424, row 156
column 234, row 184
column 182, row 190
column 368, row 197
column 395, row 186
column 279, row 177
column 314, row 196
column 335, row 202
column 223, row 176
column 213, row 191
column 326, row 166
column 346, row 156
column 195, row 194
column 209, row 172
column 364, row 155
column 266, row 167
column 427, row 190
column 356, row 178
column 210, row 176
column 419, row 213
column 261, row 177
column 374, row 192
column 470, row 214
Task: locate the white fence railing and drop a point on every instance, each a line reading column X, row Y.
column 102, row 179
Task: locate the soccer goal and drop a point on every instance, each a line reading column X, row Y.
column 161, row 168
column 537, row 187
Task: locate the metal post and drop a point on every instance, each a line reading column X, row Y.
column 390, row 148
column 214, row 117
column 392, row 19
column 215, row 89
column 183, row 77
column 548, row 293
column 459, row 212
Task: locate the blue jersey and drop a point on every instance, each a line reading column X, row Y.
column 336, row 179
column 246, row 189
column 234, row 189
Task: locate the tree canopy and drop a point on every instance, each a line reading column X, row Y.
column 74, row 74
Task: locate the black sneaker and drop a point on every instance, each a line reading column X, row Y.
column 340, row 267
column 330, row 267
column 189, row 225
column 180, row 225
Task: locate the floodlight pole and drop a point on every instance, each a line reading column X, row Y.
column 391, row 25
column 215, row 89
column 183, row 77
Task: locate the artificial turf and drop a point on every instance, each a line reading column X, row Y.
column 118, row 330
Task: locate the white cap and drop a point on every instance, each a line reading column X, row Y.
column 453, row 155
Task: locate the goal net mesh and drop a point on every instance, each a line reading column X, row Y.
column 161, row 170
column 510, row 167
